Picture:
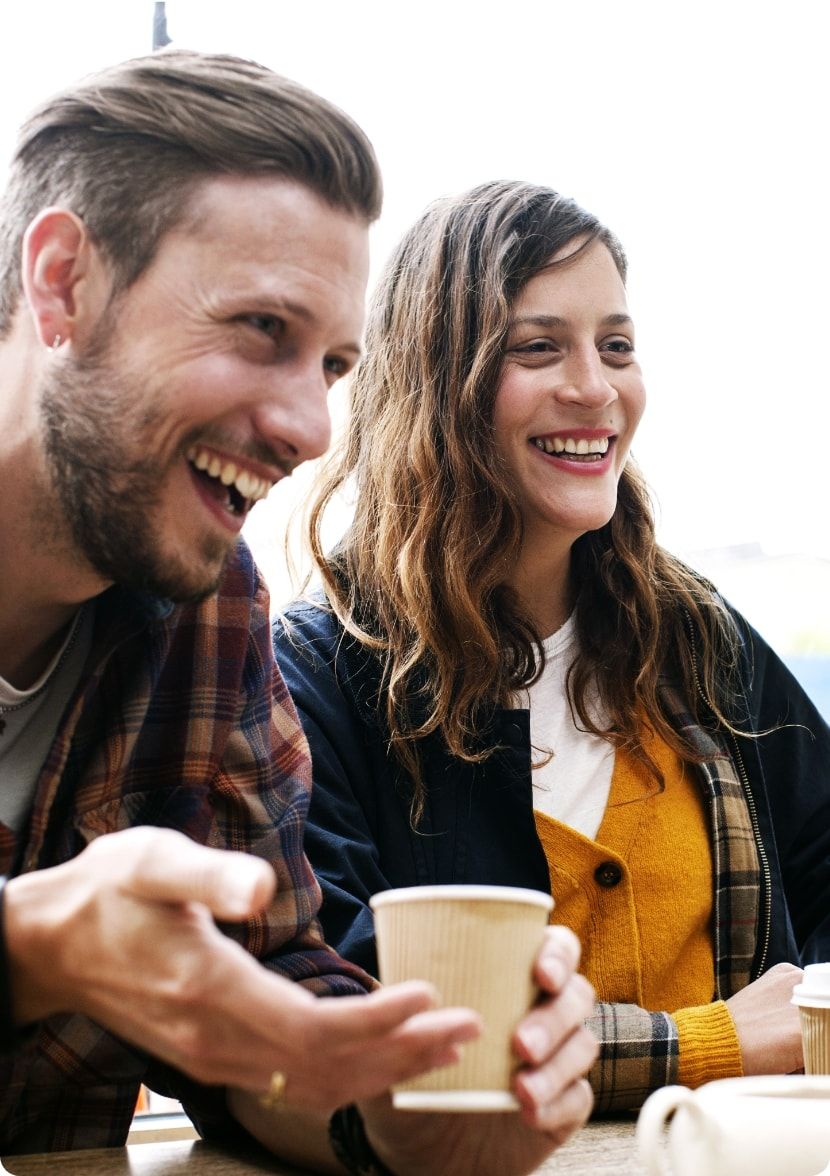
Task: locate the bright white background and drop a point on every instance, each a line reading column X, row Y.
column 697, row 132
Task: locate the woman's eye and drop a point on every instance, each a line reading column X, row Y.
column 534, row 347
column 618, row 346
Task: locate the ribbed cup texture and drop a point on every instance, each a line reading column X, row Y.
column 478, row 954
column 815, row 1035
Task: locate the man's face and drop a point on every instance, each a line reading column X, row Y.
column 205, row 382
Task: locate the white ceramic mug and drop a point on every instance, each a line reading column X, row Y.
column 770, row 1125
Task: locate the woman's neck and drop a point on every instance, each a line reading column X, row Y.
column 542, row 581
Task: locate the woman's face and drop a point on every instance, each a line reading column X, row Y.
column 570, row 396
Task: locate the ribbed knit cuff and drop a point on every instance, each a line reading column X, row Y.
column 707, row 1044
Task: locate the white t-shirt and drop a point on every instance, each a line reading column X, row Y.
column 29, row 720
column 573, row 785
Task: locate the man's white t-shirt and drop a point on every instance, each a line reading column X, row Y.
column 30, row 718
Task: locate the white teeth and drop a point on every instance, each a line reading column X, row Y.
column 248, row 485
column 580, row 448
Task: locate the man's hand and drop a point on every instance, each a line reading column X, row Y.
column 768, row 1026
column 124, row 933
column 556, row 1050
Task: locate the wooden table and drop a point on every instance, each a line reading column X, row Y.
column 606, row 1148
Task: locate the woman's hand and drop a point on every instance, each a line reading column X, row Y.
column 557, row 1051
column 767, row 1024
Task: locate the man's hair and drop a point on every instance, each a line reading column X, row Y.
column 125, row 148
column 421, row 576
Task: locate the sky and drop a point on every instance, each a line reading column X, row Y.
column 696, row 132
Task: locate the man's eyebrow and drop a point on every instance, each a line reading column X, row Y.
column 553, row 320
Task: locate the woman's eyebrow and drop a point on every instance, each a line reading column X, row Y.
column 553, row 320
column 538, row 320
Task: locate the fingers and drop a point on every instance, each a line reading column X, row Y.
column 540, row 1090
column 557, row 960
column 370, row 1043
column 552, row 1021
column 162, row 865
column 364, row 1017
column 562, row 1117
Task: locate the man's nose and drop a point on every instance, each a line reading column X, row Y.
column 293, row 417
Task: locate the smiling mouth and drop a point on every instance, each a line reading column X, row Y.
column 234, row 487
column 570, row 449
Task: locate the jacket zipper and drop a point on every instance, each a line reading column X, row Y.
column 766, row 875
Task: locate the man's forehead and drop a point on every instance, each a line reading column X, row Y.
column 265, row 244
column 261, row 202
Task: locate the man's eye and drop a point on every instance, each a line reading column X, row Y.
column 336, row 366
column 267, row 324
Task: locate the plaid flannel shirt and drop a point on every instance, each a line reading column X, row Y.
column 639, row 1049
column 181, row 720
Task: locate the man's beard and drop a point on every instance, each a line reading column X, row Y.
column 100, row 428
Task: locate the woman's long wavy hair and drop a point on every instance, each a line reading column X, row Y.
column 420, row 577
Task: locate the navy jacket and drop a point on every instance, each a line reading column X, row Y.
column 478, row 824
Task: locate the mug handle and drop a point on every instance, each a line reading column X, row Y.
column 652, row 1120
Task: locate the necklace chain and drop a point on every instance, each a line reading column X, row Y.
column 10, row 708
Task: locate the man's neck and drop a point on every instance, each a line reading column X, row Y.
column 21, row 668
column 40, row 592
column 43, row 578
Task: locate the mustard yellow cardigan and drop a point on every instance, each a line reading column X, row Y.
column 639, row 898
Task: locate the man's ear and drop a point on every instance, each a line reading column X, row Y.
column 65, row 281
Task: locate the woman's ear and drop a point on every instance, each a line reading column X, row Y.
column 65, row 282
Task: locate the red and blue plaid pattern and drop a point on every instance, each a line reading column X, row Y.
column 181, row 720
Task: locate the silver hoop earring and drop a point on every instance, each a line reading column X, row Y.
column 56, row 342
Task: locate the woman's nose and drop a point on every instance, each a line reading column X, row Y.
column 586, row 382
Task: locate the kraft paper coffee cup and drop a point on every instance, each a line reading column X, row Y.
column 812, row 996
column 477, row 946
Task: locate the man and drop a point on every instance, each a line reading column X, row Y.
column 182, row 275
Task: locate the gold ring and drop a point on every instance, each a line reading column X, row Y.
column 275, row 1093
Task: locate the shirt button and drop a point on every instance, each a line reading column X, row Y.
column 608, row 874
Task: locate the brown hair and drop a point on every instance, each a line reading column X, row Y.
column 124, row 149
column 420, row 577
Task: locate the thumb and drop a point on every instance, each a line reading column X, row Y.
column 169, row 867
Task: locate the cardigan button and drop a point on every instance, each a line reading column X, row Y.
column 608, row 874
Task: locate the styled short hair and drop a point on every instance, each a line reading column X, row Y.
column 125, row 148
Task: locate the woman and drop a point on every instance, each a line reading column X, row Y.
column 509, row 681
